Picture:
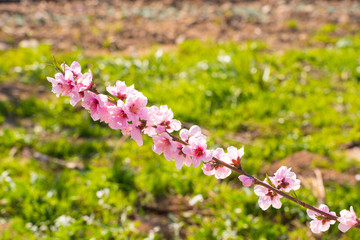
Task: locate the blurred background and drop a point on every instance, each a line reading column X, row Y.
column 281, row 78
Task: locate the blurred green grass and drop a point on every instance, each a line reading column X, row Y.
column 286, row 102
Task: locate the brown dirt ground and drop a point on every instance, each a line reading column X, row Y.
column 302, row 163
column 20, row 91
column 133, row 26
column 157, row 215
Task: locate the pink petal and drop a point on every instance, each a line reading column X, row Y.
column 324, row 208
column 168, row 155
column 207, row 170
column 264, row 202
column 136, row 135
column 276, row 203
column 196, row 162
column 311, row 214
column 241, row 152
column 187, row 150
column 342, row 227
column 315, row 226
column 175, row 125
column 208, row 156
column 218, row 152
column 69, row 76
column 75, row 67
column 179, row 162
column 222, row 172
column 232, row 152
column 195, row 130
column 75, row 98
column 260, row 190
column 184, row 134
column 188, row 161
column 325, row 227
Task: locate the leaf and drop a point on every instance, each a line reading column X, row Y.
column 58, row 66
column 269, row 181
column 293, row 194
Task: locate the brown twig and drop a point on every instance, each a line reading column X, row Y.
column 255, row 180
column 259, row 182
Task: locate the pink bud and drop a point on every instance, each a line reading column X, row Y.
column 246, row 181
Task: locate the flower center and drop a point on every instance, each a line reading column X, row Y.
column 237, row 162
column 166, row 124
column 270, row 194
column 93, row 104
column 121, row 96
column 134, row 108
column 283, row 184
column 199, row 151
column 122, row 114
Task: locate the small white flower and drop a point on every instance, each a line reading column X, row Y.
column 4, row 177
column 64, row 221
column 196, row 199
column 224, row 58
column 89, row 219
column 159, row 53
column 103, row 193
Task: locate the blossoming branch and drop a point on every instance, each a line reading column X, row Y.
column 124, row 108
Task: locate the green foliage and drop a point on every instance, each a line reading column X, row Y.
column 281, row 103
column 293, row 24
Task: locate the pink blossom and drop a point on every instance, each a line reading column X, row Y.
column 136, row 135
column 135, row 107
column 134, row 132
column 235, row 155
column 164, row 120
column 84, row 82
column 65, row 86
column 151, row 121
column 197, row 150
column 160, row 120
column 347, row 219
column 118, row 116
column 212, row 167
column 246, row 181
column 73, row 74
column 285, row 180
column 106, row 116
column 95, row 104
column 75, row 68
column 121, row 91
column 58, row 84
column 163, row 143
column 71, row 89
column 194, row 131
column 267, row 197
column 320, row 223
column 180, row 157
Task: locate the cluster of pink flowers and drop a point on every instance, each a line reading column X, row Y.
column 72, row 84
column 321, row 223
column 130, row 114
column 283, row 180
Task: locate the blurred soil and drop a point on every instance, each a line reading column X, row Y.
column 134, row 26
column 305, row 164
column 20, row 91
column 158, row 216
